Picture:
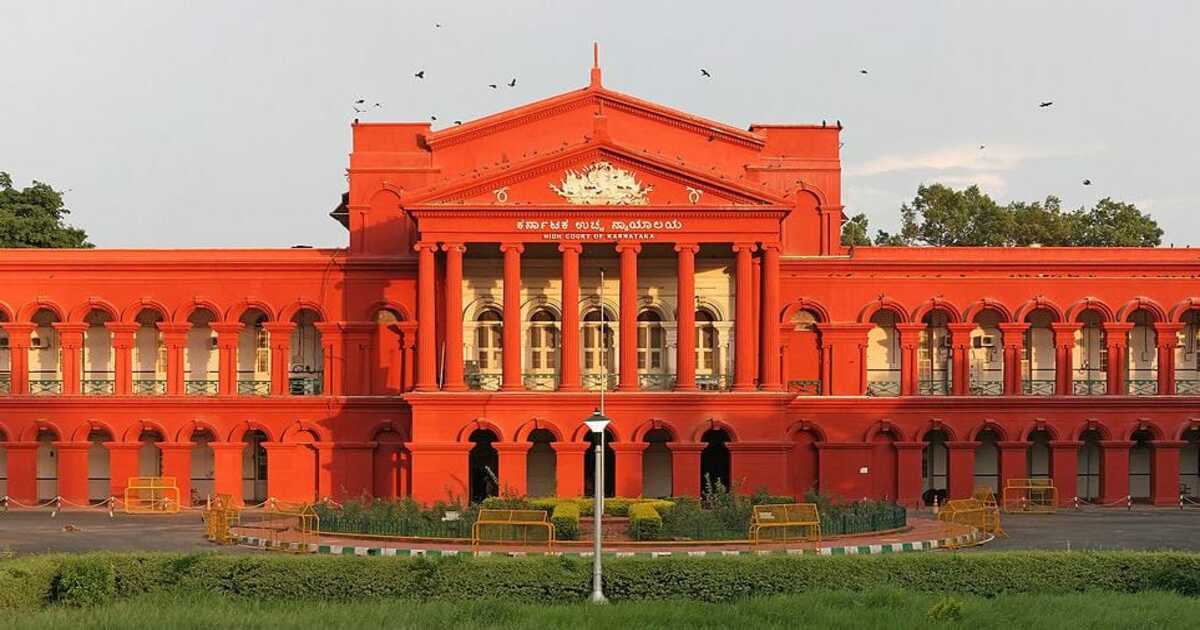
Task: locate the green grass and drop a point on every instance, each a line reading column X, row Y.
column 876, row 608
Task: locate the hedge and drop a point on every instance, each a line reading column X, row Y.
column 613, row 506
column 32, row 582
column 644, row 521
column 566, row 521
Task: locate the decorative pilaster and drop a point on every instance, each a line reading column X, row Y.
column 227, row 343
column 960, row 339
column 1166, row 335
column 743, row 361
column 426, row 318
column 769, row 354
column 70, row 338
column 454, row 321
column 19, row 335
column 910, row 340
column 280, row 340
column 1013, row 334
column 174, row 338
column 685, row 319
column 628, row 317
column 511, row 362
column 1116, row 339
column 1064, row 347
column 569, row 350
column 122, row 344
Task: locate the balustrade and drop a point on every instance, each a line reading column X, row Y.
column 1037, row 387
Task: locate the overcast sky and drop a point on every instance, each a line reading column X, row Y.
column 178, row 124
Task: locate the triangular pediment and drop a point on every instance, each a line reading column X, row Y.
column 594, row 175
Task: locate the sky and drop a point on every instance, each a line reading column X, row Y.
column 227, row 124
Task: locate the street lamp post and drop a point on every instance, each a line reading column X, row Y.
column 597, row 423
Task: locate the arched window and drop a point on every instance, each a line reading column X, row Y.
column 883, row 355
column 543, row 342
column 598, row 355
column 1142, row 368
column 1187, row 368
column 489, row 341
column 1090, row 356
column 933, row 356
column 706, row 344
column 651, row 342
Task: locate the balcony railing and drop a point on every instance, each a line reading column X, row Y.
column 1141, row 386
column 45, row 386
column 540, row 382
column 714, row 382
column 810, row 387
column 1187, row 387
column 251, row 387
column 96, row 386
column 482, row 381
column 934, row 387
column 149, row 386
column 200, row 387
column 6, row 383
column 1037, row 387
column 1089, row 387
column 883, row 388
column 655, row 382
column 987, row 388
column 307, row 385
column 596, row 382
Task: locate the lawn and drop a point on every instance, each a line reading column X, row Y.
column 876, row 608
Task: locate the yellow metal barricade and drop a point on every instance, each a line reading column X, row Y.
column 513, row 526
column 785, row 522
column 220, row 516
column 972, row 513
column 284, row 525
column 151, row 495
column 1030, row 495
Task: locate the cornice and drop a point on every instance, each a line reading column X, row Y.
column 556, row 210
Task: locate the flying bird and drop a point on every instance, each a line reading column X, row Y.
column 420, row 74
column 360, row 101
column 513, row 83
column 1046, row 104
column 981, row 147
column 1087, row 182
column 704, row 73
column 433, row 118
column 839, row 124
column 356, row 109
column 863, row 71
column 437, row 25
column 823, row 123
column 493, row 85
column 458, row 122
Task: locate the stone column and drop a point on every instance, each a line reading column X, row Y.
column 1164, row 472
column 628, row 458
column 628, row 318
column 22, row 471
column 769, row 354
column 512, row 317
column 19, row 334
column 685, row 468
column 743, row 358
column 122, row 343
column 122, row 464
column 177, row 463
column 961, row 460
column 1013, row 463
column 1013, row 334
column 70, row 338
column 1064, row 369
column 453, row 314
column 569, row 476
column 568, row 353
column 1116, row 339
column 280, row 340
column 174, row 337
column 960, row 375
column 227, row 344
column 513, row 459
column 333, row 360
column 1114, row 471
column 910, row 340
column 227, row 469
column 685, row 319
column 426, row 317
column 1064, row 469
column 1166, row 335
column 72, row 471
column 908, row 473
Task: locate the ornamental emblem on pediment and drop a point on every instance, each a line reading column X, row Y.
column 602, row 184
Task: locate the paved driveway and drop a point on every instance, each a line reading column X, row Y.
column 1142, row 529
column 36, row 532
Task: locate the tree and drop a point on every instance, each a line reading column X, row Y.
column 854, row 231
column 944, row 217
column 33, row 217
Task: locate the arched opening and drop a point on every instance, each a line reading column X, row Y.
column 306, row 366
column 657, row 465
column 1090, row 356
column 599, row 352
column 714, row 460
column 884, row 462
column 934, row 356
column 541, row 465
column 47, row 465
column 393, row 469
column 254, row 355
column 201, row 358
column 1038, row 374
column 1189, row 465
column 652, row 352
column 5, row 360
column 487, row 370
column 484, row 464
column 203, row 467
column 150, row 455
column 542, row 346
column 883, row 355
column 149, row 354
column 1037, row 459
column 935, row 467
column 96, row 357
column 45, row 372
column 1091, row 466
column 589, row 465
column 1142, row 367
column 99, row 486
column 805, row 464
column 387, row 366
column 1141, row 466
column 1187, row 353
column 254, row 467
column 986, row 355
column 987, row 461
column 804, row 355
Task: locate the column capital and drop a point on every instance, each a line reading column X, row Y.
column 689, row 247
column 69, row 327
column 279, row 327
column 570, row 447
column 122, row 327
column 512, row 447
column 623, row 246
column 425, row 246
column 570, row 246
column 172, row 328
column 1013, row 327
column 687, row 447
column 518, row 247
column 227, row 328
column 454, row 246
column 1168, row 327
column 1116, row 327
column 1013, row 445
column 771, row 246
column 628, row 447
column 744, row 246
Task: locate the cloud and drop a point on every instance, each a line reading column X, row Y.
column 992, row 158
column 991, row 183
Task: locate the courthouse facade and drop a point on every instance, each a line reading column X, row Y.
column 502, row 272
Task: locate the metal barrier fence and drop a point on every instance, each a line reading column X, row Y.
column 1030, row 495
column 513, row 526
column 281, row 523
column 152, row 495
column 972, row 513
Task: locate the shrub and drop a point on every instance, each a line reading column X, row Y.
column 85, row 581
column 645, row 523
column 566, row 521
column 396, row 517
column 946, row 609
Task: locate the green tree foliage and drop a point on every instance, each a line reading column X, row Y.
column 943, row 217
column 33, row 217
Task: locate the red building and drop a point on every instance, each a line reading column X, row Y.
column 466, row 332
